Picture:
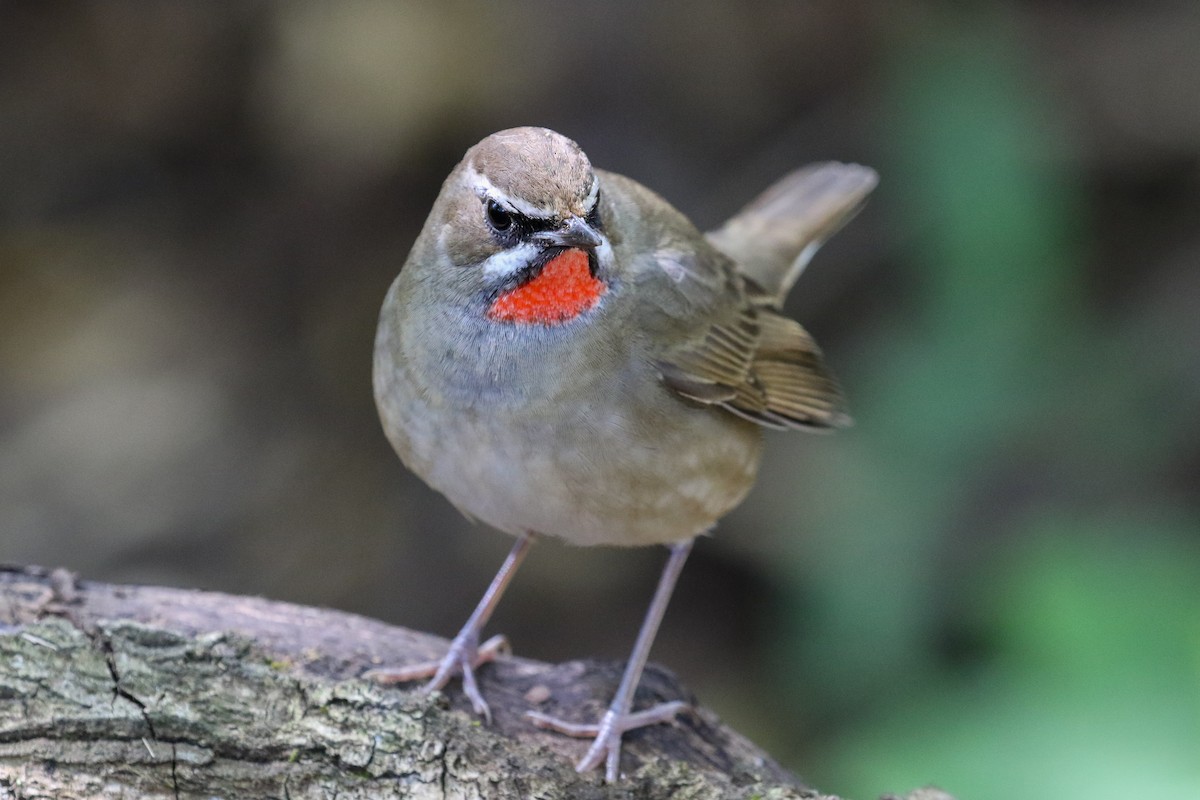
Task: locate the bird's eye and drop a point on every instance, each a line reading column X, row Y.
column 500, row 219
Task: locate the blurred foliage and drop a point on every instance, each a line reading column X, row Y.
column 1092, row 689
column 1091, row 685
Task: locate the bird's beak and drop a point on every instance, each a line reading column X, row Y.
column 572, row 233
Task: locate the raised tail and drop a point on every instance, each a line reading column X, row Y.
column 775, row 236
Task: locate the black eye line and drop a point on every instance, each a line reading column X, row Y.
column 519, row 226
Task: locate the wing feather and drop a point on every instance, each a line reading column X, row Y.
column 764, row 367
column 714, row 335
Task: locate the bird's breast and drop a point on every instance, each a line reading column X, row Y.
column 540, row 434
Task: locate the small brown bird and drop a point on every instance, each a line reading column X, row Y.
column 563, row 353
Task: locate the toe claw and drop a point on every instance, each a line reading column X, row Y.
column 471, row 690
column 462, row 659
column 392, row 675
column 578, row 730
column 607, row 734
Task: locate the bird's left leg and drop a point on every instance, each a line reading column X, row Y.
column 606, row 735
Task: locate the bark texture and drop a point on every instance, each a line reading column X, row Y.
column 143, row 692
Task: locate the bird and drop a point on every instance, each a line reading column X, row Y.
column 565, row 354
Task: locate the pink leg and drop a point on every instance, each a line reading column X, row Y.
column 466, row 653
column 606, row 744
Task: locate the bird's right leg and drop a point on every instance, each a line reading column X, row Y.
column 466, row 653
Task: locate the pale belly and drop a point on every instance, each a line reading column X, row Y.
column 613, row 470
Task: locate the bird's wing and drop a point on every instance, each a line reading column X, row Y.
column 732, row 350
column 774, row 237
column 711, row 333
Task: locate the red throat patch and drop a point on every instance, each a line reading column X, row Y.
column 562, row 291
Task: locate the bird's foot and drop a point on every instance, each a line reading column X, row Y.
column 463, row 658
column 606, row 735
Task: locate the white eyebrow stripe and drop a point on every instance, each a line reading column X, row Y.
column 508, row 262
column 485, row 188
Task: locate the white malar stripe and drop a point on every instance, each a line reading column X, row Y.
column 479, row 183
column 509, row 262
column 604, row 256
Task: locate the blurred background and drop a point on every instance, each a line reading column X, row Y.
column 991, row 582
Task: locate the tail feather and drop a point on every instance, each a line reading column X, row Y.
column 775, row 236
